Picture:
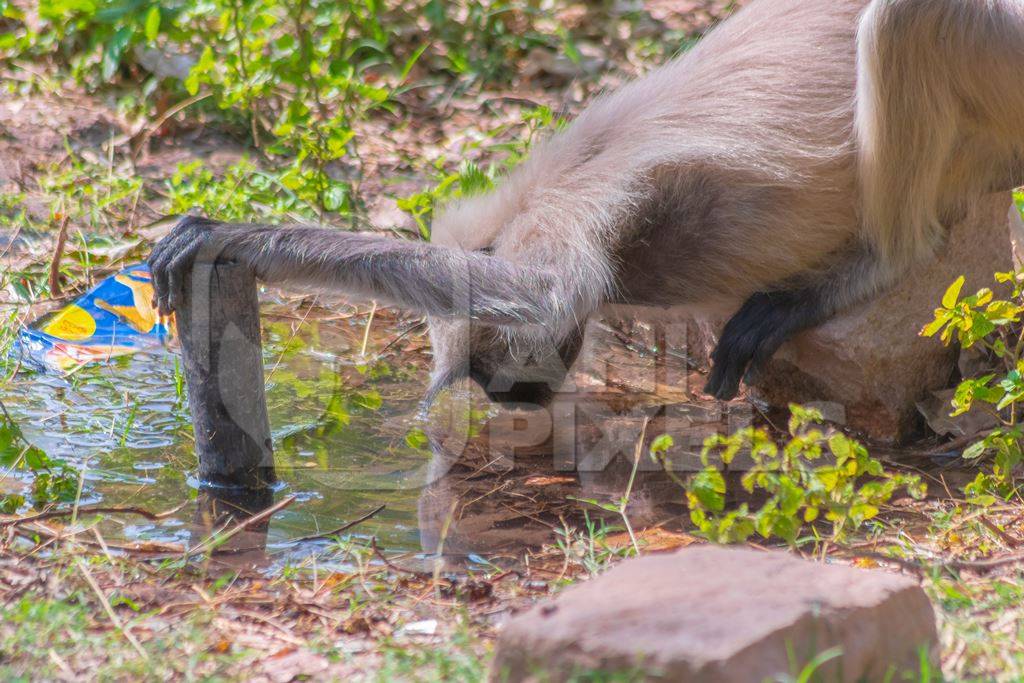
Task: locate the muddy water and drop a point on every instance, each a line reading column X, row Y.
column 468, row 480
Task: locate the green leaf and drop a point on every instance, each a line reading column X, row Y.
column 952, row 294
column 371, row 400
column 942, row 316
column 863, row 512
column 36, row 459
column 662, row 443
column 10, row 503
column 840, row 447
column 975, row 450
column 571, row 51
column 472, row 180
column 417, row 439
column 201, row 68
column 411, row 62
column 336, row 197
column 153, row 23
column 708, row 488
column 113, row 50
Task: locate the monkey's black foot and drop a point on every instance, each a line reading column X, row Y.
column 755, row 333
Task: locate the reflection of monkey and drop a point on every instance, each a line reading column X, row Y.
column 727, row 178
column 141, row 315
column 529, row 495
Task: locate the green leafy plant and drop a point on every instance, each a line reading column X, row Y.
column 90, row 192
column 94, row 38
column 818, row 474
column 299, row 75
column 470, row 178
column 52, row 480
column 302, row 73
column 242, row 192
column 994, row 325
column 484, row 40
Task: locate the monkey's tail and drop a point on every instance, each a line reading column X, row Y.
column 940, row 115
column 906, row 125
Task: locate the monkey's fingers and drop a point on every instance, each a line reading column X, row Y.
column 177, row 271
column 737, row 346
column 753, row 335
column 159, row 273
column 167, row 251
column 727, row 369
column 767, row 348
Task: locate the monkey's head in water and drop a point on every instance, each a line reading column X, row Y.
column 512, row 367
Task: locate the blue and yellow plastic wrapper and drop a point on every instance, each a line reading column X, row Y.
column 113, row 319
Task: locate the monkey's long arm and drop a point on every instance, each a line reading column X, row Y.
column 422, row 277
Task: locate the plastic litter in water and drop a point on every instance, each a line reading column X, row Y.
column 115, row 318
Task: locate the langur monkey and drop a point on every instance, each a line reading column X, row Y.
column 797, row 161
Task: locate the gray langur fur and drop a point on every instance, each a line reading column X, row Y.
column 795, row 162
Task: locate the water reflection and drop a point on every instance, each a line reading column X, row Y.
column 501, row 494
column 467, row 480
column 219, row 512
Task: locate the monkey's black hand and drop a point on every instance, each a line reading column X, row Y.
column 754, row 334
column 192, row 239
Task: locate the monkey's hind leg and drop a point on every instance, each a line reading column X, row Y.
column 767, row 319
column 755, row 333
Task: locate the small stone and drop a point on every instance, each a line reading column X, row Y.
column 718, row 615
column 427, row 627
column 870, row 359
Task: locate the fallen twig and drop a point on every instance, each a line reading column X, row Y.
column 222, row 537
column 956, row 445
column 394, row 567
column 110, row 610
column 92, row 509
column 138, row 141
column 986, row 564
column 1003, row 536
column 58, row 254
column 920, row 566
column 405, row 333
column 340, row 529
column 151, row 548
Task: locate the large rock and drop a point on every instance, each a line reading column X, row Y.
column 714, row 615
column 871, row 359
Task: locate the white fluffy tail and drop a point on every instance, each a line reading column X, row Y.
column 939, row 110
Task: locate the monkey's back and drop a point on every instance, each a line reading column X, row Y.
column 715, row 175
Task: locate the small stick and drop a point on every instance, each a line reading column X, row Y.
column 143, row 136
column 958, row 443
column 366, row 332
column 983, row 565
column 149, row 548
column 61, row 664
column 340, row 529
column 394, row 567
column 1003, row 536
column 219, row 538
column 110, row 610
column 58, row 254
column 93, row 509
column 412, row 328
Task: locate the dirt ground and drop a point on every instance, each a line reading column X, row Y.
column 76, row 604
